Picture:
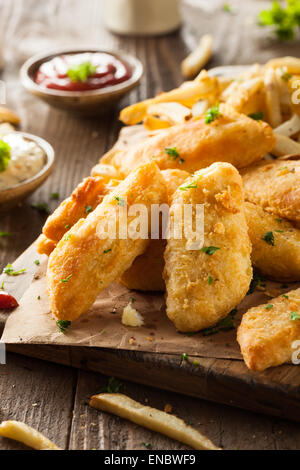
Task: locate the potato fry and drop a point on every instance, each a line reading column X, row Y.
column 195, row 61
column 243, row 97
column 153, row 123
column 272, row 98
column 201, row 88
column 6, row 115
column 23, row 433
column 290, row 127
column 291, row 64
column 174, row 113
column 151, row 418
column 285, row 146
column 107, row 172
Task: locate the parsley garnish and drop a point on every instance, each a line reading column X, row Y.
column 2, row 286
column 256, row 116
column 41, row 207
column 67, row 279
column 209, row 250
column 283, row 19
column 63, row 325
column 294, row 316
column 269, row 238
column 107, row 251
column 285, row 296
column 223, row 325
column 113, row 386
column 184, row 357
column 212, row 114
column 172, row 152
column 285, row 76
column 5, row 155
column 88, row 209
column 67, row 226
column 4, row 234
column 54, row 196
column 67, row 237
column 81, row 72
column 10, row 271
column 227, row 8
column 210, row 280
column 121, row 202
column 192, row 185
column 256, row 281
column 269, row 306
column 37, row 262
column 147, row 445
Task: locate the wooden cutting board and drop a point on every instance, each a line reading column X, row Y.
column 275, row 391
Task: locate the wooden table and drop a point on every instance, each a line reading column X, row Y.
column 53, row 398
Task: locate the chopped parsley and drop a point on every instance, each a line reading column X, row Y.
column 131, row 299
column 11, row 272
column 212, row 114
column 279, row 220
column 67, row 279
column 184, row 357
column 285, row 296
column 88, row 209
column 147, row 445
column 37, row 262
column 107, row 251
column 4, row 234
column 226, row 324
column 269, row 238
column 227, row 8
column 196, row 363
column 172, row 152
column 67, row 226
column 284, row 19
column 121, row 201
column 256, row 116
column 192, row 185
column 67, row 237
column 256, row 281
column 41, row 207
column 81, row 72
column 2, row 286
column 269, row 306
column 54, row 196
column 5, row 155
column 285, row 76
column 39, row 297
column 113, row 386
column 294, row 316
column 209, row 250
column 63, row 325
column 210, row 280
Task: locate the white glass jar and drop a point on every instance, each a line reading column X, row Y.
column 142, row 17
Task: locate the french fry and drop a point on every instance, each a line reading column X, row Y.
column 174, row 113
column 107, row 172
column 30, row 437
column 202, row 87
column 195, row 61
column 290, row 127
column 285, row 146
column 200, row 107
column 151, row 418
column 152, row 123
column 291, row 64
column 272, row 98
column 244, row 93
column 6, row 115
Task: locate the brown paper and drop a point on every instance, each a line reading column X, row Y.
column 33, row 323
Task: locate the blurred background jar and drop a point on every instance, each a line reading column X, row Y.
column 142, row 17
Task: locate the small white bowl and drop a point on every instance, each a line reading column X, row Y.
column 89, row 102
column 12, row 196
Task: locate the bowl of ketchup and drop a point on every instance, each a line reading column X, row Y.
column 83, row 81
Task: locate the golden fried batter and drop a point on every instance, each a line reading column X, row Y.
column 275, row 186
column 267, row 332
column 83, row 263
column 232, row 138
column 204, row 285
column 83, row 200
column 275, row 244
column 146, row 271
column 44, row 246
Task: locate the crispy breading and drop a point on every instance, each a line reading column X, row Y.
column 83, row 200
column 145, row 273
column 275, row 244
column 275, row 186
column 44, row 246
column 266, row 333
column 232, row 138
column 84, row 262
column 203, row 287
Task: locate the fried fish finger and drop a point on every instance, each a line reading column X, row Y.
column 275, row 244
column 267, row 332
column 44, row 246
column 204, row 285
column 85, row 261
column 275, row 186
column 232, row 138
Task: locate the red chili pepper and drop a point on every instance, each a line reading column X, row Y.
column 7, row 301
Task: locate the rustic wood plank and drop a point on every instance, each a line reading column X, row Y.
column 39, row 394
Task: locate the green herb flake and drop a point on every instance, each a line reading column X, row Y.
column 269, row 306
column 11, row 272
column 67, row 237
column 5, row 234
column 63, row 325
column 37, row 262
column 172, row 152
column 54, row 196
column 227, row 8
column 67, row 226
column 81, row 72
column 294, row 316
column 131, row 299
column 184, row 357
column 41, row 207
column 256, row 116
column 196, row 363
column 212, row 114
column 2, row 286
column 113, row 386
column 107, row 251
column 285, row 76
column 39, row 297
column 121, row 201
column 5, row 155
column 209, row 250
column 279, row 220
column 67, row 279
column 88, row 209
column 226, row 324
column 147, row 445
column 285, row 296
column 269, row 238
column 283, row 19
column 181, row 161
column 210, row 280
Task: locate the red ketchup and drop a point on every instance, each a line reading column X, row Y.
column 7, row 301
column 61, row 72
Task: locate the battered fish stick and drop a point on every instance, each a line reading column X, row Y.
column 275, row 186
column 84, row 261
column 232, row 138
column 204, row 285
column 275, row 244
column 146, row 272
column 82, row 201
column 267, row 332
column 44, row 246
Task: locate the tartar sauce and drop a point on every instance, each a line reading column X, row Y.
column 27, row 160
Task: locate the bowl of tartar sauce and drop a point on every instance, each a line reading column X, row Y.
column 25, row 162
